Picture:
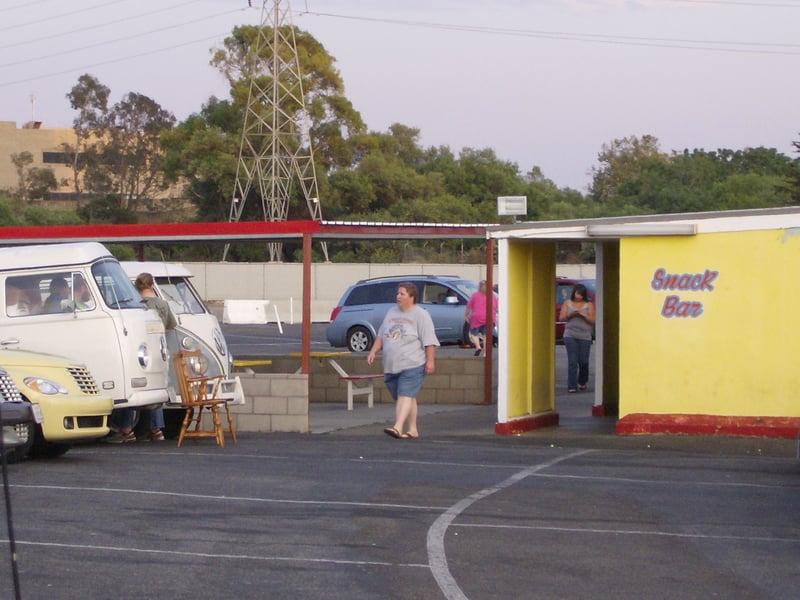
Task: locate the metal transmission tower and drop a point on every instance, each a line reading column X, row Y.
column 276, row 145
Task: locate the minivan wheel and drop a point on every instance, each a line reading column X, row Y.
column 359, row 339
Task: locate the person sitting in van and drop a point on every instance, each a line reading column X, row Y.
column 16, row 304
column 59, row 291
column 83, row 297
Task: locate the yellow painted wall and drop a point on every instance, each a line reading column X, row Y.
column 739, row 356
column 544, row 336
column 531, row 297
column 519, row 341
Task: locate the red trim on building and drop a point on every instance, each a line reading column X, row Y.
column 524, row 424
column 771, row 427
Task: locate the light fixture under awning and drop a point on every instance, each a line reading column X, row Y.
column 641, row 229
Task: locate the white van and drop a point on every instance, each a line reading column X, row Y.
column 197, row 326
column 76, row 301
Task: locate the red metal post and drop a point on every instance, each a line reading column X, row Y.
column 305, row 361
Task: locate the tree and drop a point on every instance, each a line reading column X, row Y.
column 203, row 152
column 33, row 182
column 620, row 161
column 796, row 186
column 22, row 162
column 130, row 154
column 333, row 118
column 90, row 98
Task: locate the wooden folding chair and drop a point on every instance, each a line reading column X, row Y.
column 194, row 390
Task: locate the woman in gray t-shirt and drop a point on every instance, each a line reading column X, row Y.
column 408, row 340
column 578, row 312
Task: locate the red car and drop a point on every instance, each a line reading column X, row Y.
column 564, row 287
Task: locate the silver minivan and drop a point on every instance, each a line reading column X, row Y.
column 358, row 315
column 75, row 300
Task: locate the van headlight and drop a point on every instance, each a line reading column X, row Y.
column 187, row 343
column 143, row 355
column 45, row 386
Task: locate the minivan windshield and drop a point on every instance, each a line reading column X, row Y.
column 115, row 287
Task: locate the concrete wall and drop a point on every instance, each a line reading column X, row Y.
column 273, row 402
column 282, row 284
column 457, row 380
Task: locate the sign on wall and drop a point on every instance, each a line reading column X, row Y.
column 673, row 305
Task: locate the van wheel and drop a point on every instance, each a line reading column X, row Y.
column 359, row 339
column 41, row 448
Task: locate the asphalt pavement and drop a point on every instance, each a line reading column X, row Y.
column 347, row 512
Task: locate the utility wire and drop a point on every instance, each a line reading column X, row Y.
column 109, row 62
column 23, row 5
column 678, row 43
column 97, row 26
column 737, row 3
column 114, row 41
column 69, row 14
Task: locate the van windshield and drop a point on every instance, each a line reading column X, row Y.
column 115, row 287
column 182, row 297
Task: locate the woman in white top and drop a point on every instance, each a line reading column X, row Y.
column 408, row 339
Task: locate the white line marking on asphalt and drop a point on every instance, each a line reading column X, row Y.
column 670, row 482
column 336, row 561
column 437, row 557
column 381, row 505
column 703, row 536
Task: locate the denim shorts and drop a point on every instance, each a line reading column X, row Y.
column 405, row 383
column 479, row 330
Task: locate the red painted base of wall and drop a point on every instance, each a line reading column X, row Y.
column 523, row 424
column 598, row 411
column 772, row 427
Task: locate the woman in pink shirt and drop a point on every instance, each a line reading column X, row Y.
column 476, row 316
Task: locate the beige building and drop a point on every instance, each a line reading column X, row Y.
column 45, row 144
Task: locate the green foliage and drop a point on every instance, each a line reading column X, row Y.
column 202, row 151
column 106, row 210
column 248, row 53
column 40, row 181
column 40, row 215
column 122, row 252
column 8, row 215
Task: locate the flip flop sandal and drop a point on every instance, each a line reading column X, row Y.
column 392, row 432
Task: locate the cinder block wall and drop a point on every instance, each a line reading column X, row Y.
column 281, row 283
column 273, row 402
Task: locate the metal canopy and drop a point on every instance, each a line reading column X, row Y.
column 241, row 231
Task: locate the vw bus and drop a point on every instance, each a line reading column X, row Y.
column 75, row 300
column 197, row 327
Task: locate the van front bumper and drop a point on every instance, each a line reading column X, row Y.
column 143, row 398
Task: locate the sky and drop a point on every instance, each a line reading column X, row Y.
column 543, row 83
